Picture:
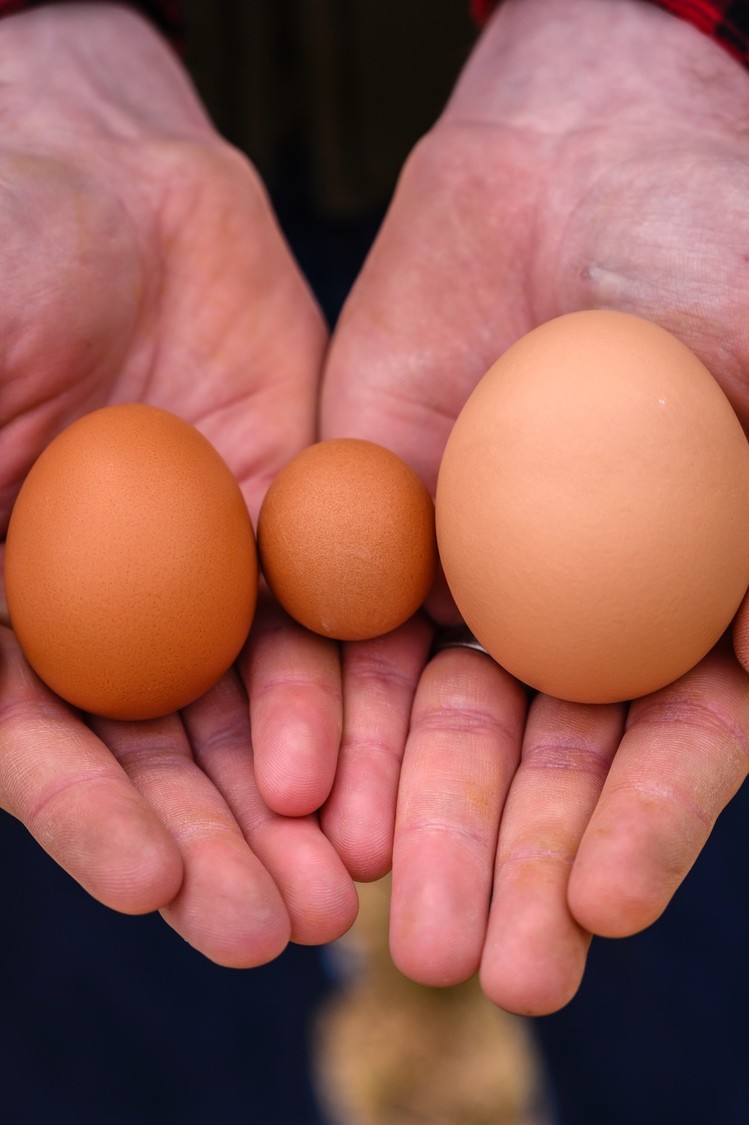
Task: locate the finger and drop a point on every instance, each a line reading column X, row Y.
column 535, row 951
column 293, row 680
column 228, row 906
column 460, row 756
column 61, row 781
column 4, row 616
column 682, row 758
column 380, row 678
column 318, row 893
column 740, row 634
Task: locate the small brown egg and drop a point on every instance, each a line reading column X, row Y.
column 593, row 508
column 346, row 539
column 130, row 564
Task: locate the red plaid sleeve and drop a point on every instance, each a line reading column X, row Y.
column 726, row 21
column 165, row 14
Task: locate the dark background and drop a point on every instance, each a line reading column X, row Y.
column 327, row 98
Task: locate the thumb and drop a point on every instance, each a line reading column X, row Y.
column 427, row 316
column 433, row 307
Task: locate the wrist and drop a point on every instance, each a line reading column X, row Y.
column 559, row 65
column 99, row 68
column 725, row 22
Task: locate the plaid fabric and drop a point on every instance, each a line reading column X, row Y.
column 726, row 21
column 164, row 13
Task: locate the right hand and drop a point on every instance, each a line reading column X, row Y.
column 141, row 261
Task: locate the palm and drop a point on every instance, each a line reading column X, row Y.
column 580, row 186
column 595, row 225
column 184, row 297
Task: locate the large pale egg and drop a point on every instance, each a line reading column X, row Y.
column 593, row 508
column 130, row 564
column 346, row 539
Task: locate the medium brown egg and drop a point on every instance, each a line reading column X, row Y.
column 346, row 539
column 130, row 565
column 593, row 508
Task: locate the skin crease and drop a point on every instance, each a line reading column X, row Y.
column 589, row 157
column 520, row 204
column 121, row 213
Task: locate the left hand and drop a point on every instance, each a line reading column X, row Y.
column 589, row 157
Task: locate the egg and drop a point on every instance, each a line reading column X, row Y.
column 592, row 508
column 130, row 565
column 346, row 539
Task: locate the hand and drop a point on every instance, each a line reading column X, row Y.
column 141, row 260
column 588, row 157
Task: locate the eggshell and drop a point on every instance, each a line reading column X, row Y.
column 593, row 508
column 130, row 565
column 346, row 539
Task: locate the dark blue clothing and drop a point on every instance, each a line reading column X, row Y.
column 659, row 1031
column 113, row 1020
